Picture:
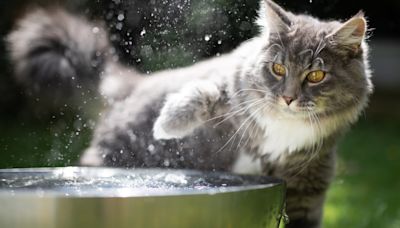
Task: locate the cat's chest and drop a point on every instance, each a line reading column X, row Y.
column 285, row 136
column 275, row 139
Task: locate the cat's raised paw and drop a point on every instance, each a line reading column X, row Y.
column 161, row 132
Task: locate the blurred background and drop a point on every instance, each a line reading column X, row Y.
column 153, row 35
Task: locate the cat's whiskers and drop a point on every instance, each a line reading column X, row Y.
column 252, row 132
column 273, row 45
column 304, row 164
column 252, row 115
column 267, row 51
column 242, row 110
column 244, row 133
column 260, row 87
column 279, row 36
column 320, row 47
column 268, row 105
column 318, row 144
column 306, row 51
column 234, row 113
column 322, row 62
column 245, row 102
column 253, row 120
column 315, row 148
column 356, row 101
column 247, row 90
column 231, row 110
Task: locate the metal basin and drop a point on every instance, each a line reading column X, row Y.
column 146, row 198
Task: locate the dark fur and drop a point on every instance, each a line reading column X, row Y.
column 58, row 57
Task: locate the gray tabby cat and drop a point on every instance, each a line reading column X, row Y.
column 276, row 105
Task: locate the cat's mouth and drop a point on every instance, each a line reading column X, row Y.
column 296, row 108
column 296, row 111
column 290, row 110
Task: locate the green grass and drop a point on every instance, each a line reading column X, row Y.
column 365, row 192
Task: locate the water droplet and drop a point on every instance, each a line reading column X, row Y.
column 207, row 37
column 95, row 30
column 143, row 32
column 219, row 41
column 119, row 26
column 166, row 163
column 121, row 17
column 151, row 148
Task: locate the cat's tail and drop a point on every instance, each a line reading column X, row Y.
column 58, row 55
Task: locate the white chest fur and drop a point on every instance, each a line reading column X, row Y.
column 287, row 136
column 279, row 137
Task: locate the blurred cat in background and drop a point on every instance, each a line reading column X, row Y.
column 276, row 105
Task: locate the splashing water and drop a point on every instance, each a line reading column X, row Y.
column 98, row 182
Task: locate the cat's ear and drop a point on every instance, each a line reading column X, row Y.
column 351, row 33
column 274, row 18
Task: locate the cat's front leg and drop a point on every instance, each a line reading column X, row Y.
column 304, row 209
column 307, row 184
column 188, row 109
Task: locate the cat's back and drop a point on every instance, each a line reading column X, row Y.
column 146, row 100
column 125, row 133
column 223, row 67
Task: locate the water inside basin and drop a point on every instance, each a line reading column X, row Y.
column 101, row 182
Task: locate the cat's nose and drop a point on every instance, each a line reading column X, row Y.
column 288, row 100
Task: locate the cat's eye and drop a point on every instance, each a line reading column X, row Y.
column 279, row 69
column 316, row 76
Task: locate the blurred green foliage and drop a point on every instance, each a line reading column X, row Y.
column 27, row 143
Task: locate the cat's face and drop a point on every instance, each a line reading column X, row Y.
column 310, row 67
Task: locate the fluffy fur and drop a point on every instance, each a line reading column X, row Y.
column 64, row 59
column 229, row 113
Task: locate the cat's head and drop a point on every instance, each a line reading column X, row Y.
column 311, row 67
